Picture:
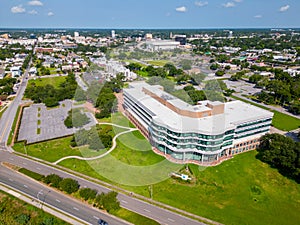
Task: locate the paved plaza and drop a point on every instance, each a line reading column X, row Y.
column 40, row 123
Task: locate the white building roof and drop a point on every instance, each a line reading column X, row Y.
column 235, row 113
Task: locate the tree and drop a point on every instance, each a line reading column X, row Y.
column 214, row 66
column 220, row 73
column 87, row 193
column 69, row 185
column 255, row 78
column 53, row 180
column 110, row 201
column 282, row 153
column 76, row 119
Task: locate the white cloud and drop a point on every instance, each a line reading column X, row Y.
column 33, row 12
column 229, row 5
column 181, row 9
column 284, row 8
column 35, row 3
column 168, row 14
column 200, row 3
column 258, row 16
column 18, row 9
column 50, row 14
column 238, row 1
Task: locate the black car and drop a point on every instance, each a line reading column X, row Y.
column 102, row 222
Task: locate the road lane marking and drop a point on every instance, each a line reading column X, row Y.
column 124, row 201
column 97, row 218
column 38, row 168
column 11, row 159
column 147, row 210
column 57, row 200
column 75, row 208
column 25, row 186
column 11, row 179
column 171, row 220
column 25, row 164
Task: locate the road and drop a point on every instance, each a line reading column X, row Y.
column 159, row 214
column 46, row 195
column 8, row 116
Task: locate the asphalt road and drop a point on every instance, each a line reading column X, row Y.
column 42, row 193
column 9, row 115
column 159, row 214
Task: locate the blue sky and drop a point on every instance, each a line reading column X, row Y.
column 149, row 13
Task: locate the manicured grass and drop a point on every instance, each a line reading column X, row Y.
column 134, row 217
column 158, row 62
column 280, row 121
column 55, row 81
column 31, row 174
column 242, row 190
column 50, row 151
column 285, row 122
column 12, row 208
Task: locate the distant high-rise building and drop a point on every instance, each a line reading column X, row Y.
column 76, row 34
column 113, row 34
column 230, row 34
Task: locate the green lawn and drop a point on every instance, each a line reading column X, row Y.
column 285, row 122
column 280, row 121
column 242, row 190
column 55, row 81
column 50, row 151
column 158, row 62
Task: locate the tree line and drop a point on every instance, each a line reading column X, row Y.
column 107, row 201
column 281, row 153
column 49, row 95
column 97, row 138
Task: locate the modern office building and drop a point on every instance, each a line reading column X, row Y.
column 158, row 45
column 205, row 134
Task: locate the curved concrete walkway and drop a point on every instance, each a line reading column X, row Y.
column 114, row 145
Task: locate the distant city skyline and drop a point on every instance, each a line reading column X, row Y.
column 149, row 14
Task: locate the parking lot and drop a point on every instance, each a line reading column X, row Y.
column 242, row 87
column 40, row 123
